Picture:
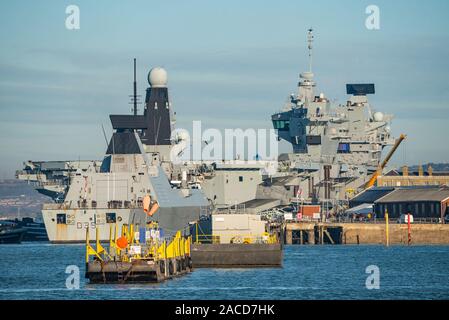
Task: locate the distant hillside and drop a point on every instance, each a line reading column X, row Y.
column 435, row 166
column 19, row 198
column 11, row 188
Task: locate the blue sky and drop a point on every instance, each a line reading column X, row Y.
column 230, row 64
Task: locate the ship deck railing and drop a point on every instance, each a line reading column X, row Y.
column 234, row 209
column 364, row 220
column 236, row 238
column 67, row 205
column 391, row 220
column 155, row 249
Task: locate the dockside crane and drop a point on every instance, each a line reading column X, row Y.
column 378, row 172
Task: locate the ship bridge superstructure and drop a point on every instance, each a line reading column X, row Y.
column 335, row 147
column 350, row 133
column 319, row 131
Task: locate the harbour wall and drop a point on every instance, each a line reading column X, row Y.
column 364, row 233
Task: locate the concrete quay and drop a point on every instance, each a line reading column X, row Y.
column 364, row 233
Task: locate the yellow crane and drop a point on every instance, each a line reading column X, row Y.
column 378, row 172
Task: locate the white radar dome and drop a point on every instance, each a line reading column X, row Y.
column 157, row 77
column 306, row 75
column 378, row 116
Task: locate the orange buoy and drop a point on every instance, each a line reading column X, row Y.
column 122, row 242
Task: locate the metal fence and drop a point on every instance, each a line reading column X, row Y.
column 368, row 221
column 382, row 220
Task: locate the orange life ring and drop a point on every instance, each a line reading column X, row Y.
column 122, row 242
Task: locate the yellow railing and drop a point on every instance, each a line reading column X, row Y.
column 238, row 238
column 153, row 249
column 125, row 245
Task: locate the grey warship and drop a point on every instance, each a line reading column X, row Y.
column 113, row 192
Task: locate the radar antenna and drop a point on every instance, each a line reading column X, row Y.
column 309, row 46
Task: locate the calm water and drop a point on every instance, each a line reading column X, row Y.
column 37, row 271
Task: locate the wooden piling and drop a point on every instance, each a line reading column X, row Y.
column 311, row 236
column 289, row 237
column 387, row 231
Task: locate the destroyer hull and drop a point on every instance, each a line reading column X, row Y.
column 70, row 225
column 77, row 221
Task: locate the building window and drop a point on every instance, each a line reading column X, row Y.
column 61, row 218
column 111, row 217
column 240, row 178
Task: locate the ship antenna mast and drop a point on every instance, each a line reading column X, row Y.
column 135, row 90
column 309, row 46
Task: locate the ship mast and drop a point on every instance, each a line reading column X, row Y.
column 135, row 90
column 309, row 46
column 306, row 82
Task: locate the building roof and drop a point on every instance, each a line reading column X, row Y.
column 392, row 172
column 415, row 195
column 370, row 195
column 364, row 208
column 440, row 173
